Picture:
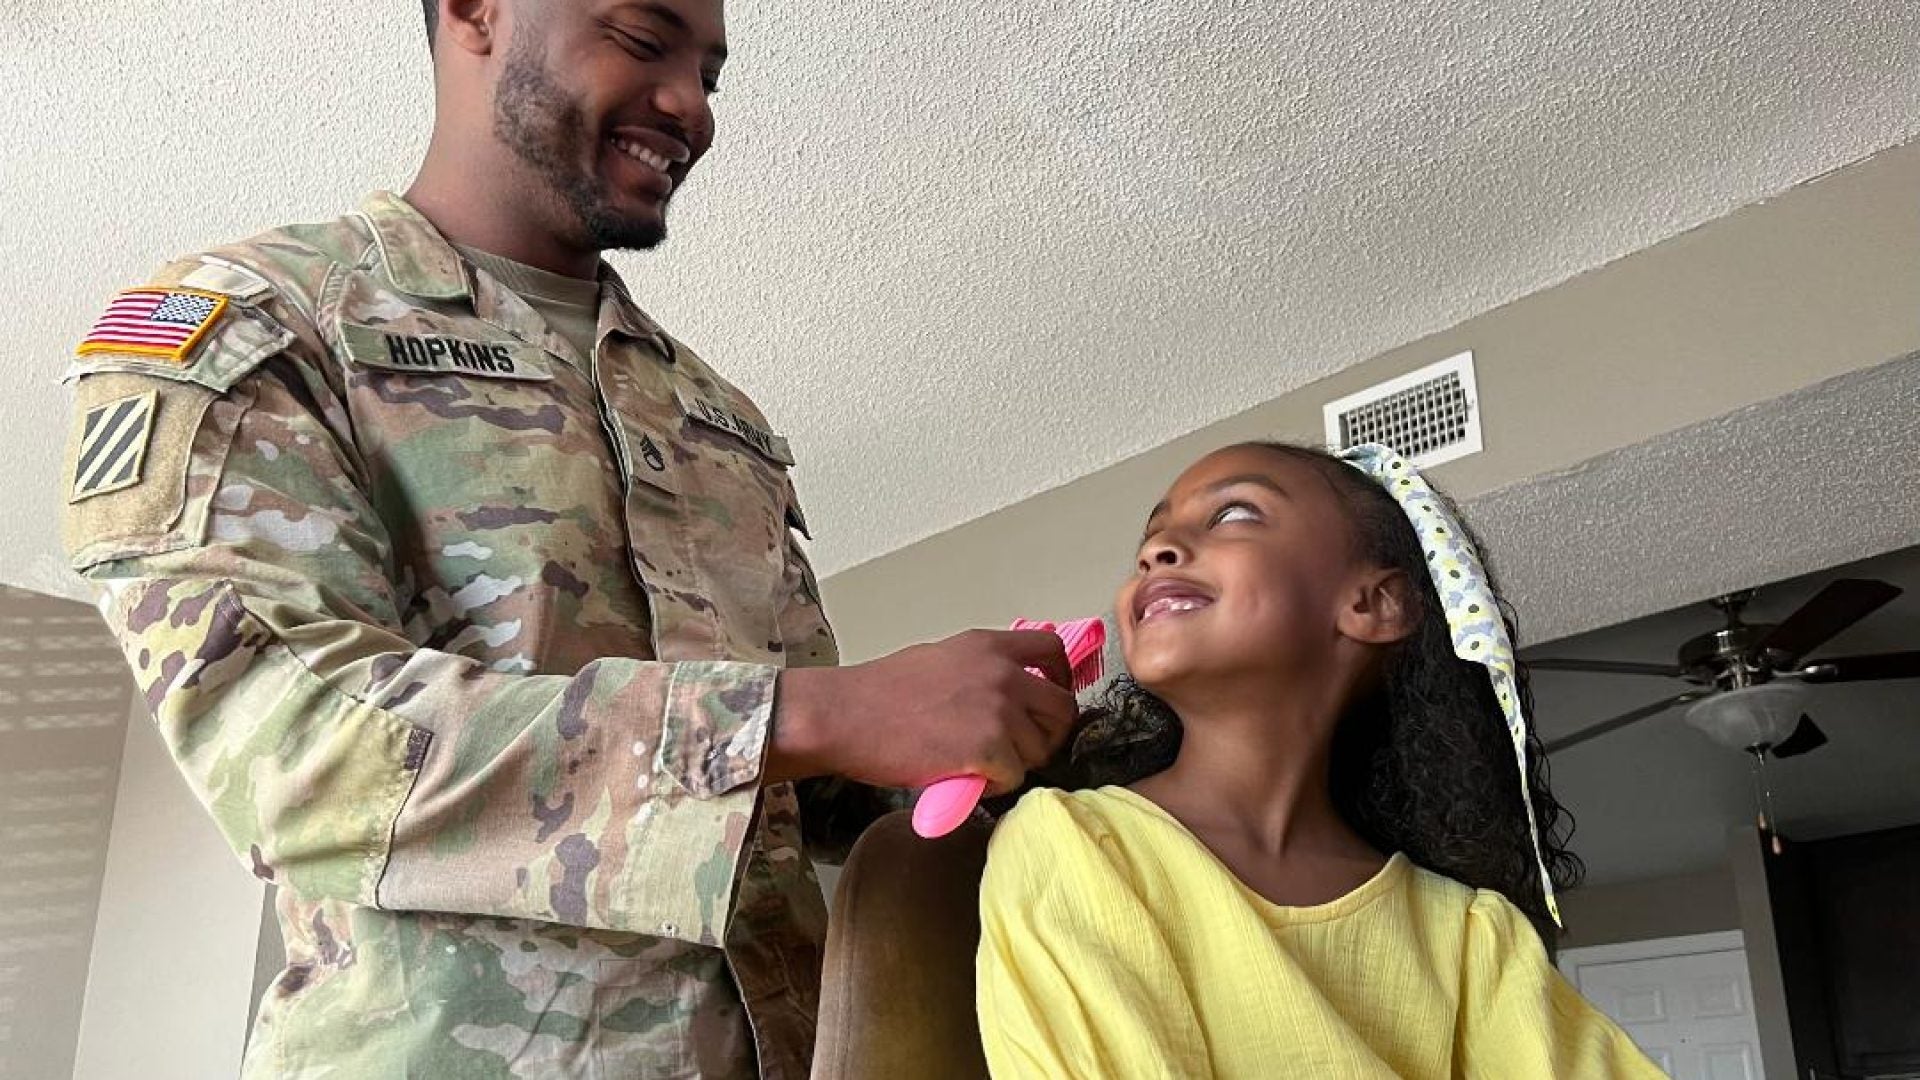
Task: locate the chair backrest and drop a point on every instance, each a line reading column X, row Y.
column 896, row 996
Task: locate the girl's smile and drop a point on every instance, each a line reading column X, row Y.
column 1164, row 595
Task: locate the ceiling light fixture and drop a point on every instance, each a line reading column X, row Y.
column 1751, row 717
column 1754, row 719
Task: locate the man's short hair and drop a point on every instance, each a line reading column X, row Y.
column 431, row 9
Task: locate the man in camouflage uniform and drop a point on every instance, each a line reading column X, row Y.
column 464, row 596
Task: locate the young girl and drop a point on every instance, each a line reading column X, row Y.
column 1326, row 846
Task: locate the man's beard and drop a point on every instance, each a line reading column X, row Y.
column 544, row 127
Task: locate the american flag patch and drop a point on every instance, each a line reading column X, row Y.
column 166, row 323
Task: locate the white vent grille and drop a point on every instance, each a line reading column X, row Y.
column 1430, row 415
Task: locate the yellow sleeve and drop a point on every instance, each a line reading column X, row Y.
column 1520, row 1017
column 1072, row 980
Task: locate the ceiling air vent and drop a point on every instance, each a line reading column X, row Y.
column 1430, row 415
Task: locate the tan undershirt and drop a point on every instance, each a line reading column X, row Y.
column 570, row 305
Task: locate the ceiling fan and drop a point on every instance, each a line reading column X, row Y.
column 1734, row 660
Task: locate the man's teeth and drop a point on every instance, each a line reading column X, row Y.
column 1170, row 605
column 641, row 154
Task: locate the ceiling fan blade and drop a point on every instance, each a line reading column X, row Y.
column 1836, row 607
column 1605, row 667
column 1806, row 736
column 1893, row 665
column 1594, row 731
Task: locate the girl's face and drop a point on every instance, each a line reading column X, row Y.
column 1241, row 576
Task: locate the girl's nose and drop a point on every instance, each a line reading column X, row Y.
column 1164, row 550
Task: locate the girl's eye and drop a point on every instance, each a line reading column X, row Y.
column 1235, row 512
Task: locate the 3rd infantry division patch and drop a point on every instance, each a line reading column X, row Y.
column 113, row 445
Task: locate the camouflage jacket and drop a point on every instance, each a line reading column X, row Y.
column 469, row 644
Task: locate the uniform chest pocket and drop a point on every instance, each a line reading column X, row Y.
column 465, row 394
column 488, row 463
column 744, row 466
column 707, row 515
column 469, row 412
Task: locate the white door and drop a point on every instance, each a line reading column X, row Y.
column 1686, row 1001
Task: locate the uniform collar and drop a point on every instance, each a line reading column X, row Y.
column 420, row 262
column 618, row 313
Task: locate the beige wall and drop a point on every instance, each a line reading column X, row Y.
column 179, row 926
column 269, row 953
column 63, row 693
column 1779, row 296
column 1655, row 908
column 1746, row 861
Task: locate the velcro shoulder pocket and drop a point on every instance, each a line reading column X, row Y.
column 158, row 393
column 143, row 463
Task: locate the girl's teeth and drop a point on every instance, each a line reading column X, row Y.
column 1170, row 606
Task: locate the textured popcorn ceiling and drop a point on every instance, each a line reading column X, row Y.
column 963, row 254
column 1622, row 551
column 1788, row 487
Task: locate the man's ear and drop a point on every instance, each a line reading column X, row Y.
column 1382, row 608
column 468, row 25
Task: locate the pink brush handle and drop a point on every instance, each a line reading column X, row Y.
column 946, row 804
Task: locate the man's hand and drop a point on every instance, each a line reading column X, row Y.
column 964, row 705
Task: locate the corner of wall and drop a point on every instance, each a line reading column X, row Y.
column 1746, row 854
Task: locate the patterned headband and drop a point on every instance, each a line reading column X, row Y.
column 1473, row 616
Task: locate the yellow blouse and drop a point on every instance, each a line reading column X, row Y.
column 1115, row 945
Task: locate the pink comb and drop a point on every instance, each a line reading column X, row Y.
column 947, row 803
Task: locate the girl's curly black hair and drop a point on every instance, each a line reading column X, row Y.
column 1421, row 763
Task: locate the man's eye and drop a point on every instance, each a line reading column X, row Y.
column 1233, row 512
column 639, row 46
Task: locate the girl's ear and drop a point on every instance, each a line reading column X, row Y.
column 1383, row 608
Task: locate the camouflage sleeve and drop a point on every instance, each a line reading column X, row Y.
column 804, row 631
column 255, row 598
column 834, row 811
